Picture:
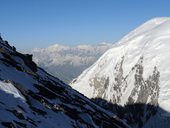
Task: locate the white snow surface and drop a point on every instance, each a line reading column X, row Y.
column 10, row 89
column 150, row 40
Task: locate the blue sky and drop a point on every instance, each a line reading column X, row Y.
column 40, row 23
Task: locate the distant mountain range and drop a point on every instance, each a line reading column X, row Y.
column 67, row 62
column 134, row 72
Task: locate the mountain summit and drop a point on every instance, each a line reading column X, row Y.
column 135, row 71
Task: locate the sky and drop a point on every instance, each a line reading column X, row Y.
column 27, row 24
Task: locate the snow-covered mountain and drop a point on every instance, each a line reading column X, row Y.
column 32, row 98
column 68, row 62
column 135, row 71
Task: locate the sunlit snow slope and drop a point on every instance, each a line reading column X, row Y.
column 135, row 70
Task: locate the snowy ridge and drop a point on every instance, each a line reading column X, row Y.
column 32, row 98
column 144, row 28
column 67, row 62
column 135, row 70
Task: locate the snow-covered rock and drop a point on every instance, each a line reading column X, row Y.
column 32, row 98
column 67, row 62
column 135, row 71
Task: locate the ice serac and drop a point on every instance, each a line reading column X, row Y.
column 135, row 71
column 32, row 98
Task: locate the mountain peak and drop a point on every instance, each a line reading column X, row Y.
column 135, row 70
column 158, row 20
column 150, row 27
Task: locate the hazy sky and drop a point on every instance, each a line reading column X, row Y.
column 40, row 23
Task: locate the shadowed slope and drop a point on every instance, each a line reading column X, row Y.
column 138, row 115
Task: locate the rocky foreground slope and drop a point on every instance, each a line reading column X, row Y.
column 134, row 73
column 31, row 98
